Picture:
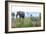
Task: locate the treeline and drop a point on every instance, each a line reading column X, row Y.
column 36, row 18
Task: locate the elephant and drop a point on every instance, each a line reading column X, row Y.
column 21, row 14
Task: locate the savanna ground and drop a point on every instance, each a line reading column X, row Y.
column 26, row 22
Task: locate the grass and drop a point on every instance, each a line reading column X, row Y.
column 20, row 22
column 26, row 22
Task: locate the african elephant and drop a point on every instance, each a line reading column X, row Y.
column 21, row 14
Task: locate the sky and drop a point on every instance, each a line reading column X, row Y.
column 28, row 11
column 34, row 14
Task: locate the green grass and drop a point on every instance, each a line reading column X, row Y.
column 26, row 22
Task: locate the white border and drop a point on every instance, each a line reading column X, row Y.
column 23, row 29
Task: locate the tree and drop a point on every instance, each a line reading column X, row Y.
column 31, row 16
column 40, row 16
column 13, row 14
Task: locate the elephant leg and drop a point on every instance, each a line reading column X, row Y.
column 22, row 20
